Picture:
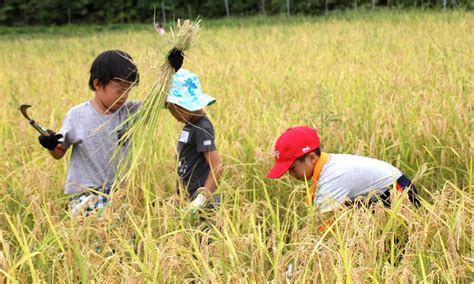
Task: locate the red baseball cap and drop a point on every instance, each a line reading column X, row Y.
column 292, row 144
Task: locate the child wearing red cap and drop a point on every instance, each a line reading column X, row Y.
column 336, row 178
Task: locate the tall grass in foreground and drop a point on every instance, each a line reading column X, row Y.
column 245, row 241
column 395, row 87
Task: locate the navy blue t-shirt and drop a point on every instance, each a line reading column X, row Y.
column 195, row 139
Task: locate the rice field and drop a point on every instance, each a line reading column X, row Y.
column 397, row 86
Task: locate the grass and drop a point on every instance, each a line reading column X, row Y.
column 397, row 87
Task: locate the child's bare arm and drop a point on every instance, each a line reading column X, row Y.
column 214, row 161
column 58, row 152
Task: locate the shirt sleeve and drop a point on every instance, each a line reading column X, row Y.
column 133, row 106
column 67, row 130
column 204, row 138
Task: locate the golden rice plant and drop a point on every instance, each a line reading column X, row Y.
column 392, row 85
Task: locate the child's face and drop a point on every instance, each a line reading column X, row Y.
column 113, row 95
column 183, row 115
column 302, row 170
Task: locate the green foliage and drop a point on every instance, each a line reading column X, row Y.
column 58, row 12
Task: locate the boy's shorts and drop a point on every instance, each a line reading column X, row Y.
column 214, row 203
column 403, row 183
column 88, row 202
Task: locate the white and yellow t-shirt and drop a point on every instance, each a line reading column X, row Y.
column 344, row 177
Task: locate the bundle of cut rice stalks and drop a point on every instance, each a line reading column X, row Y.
column 144, row 123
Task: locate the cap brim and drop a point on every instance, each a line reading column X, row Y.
column 191, row 104
column 279, row 169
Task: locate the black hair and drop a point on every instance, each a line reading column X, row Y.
column 317, row 151
column 113, row 65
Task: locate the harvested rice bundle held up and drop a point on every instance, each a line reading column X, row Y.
column 144, row 123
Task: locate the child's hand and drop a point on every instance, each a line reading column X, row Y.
column 199, row 202
column 50, row 141
column 175, row 57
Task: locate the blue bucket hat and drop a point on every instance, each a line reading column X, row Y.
column 187, row 93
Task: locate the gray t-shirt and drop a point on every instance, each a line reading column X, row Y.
column 93, row 137
column 345, row 177
column 195, row 139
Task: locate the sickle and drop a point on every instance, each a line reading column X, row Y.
column 33, row 123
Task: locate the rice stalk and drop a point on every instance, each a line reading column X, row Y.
column 144, row 122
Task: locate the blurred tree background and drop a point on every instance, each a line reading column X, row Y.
column 59, row 12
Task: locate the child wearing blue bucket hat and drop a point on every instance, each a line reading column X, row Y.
column 199, row 166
